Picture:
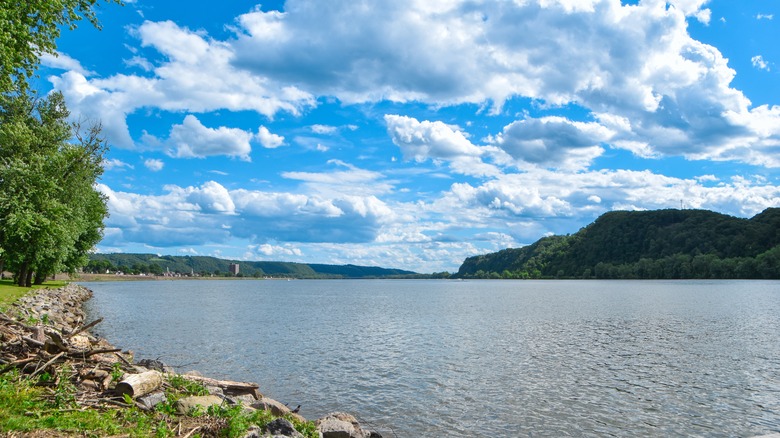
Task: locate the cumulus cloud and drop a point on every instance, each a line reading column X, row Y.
column 62, row 61
column 267, row 139
column 195, row 75
column 765, row 17
column 437, row 141
column 210, row 213
column 547, row 194
column 154, row 164
column 191, row 139
column 554, row 142
column 636, row 61
column 269, row 250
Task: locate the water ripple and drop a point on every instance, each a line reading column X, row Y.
column 477, row 358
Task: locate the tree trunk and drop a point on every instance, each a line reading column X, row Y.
column 39, row 278
column 28, row 280
column 21, row 274
column 136, row 385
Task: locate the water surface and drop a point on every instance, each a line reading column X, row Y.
column 445, row 358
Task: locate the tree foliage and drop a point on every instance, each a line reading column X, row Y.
column 206, row 266
column 651, row 244
column 51, row 215
column 30, row 28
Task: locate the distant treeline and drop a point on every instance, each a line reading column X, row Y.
column 662, row 244
column 204, row 266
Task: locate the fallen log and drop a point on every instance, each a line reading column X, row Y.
column 224, row 384
column 136, row 385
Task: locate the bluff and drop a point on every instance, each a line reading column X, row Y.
column 646, row 244
column 206, row 266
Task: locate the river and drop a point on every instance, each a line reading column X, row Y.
column 443, row 358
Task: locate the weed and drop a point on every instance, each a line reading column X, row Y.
column 188, row 387
column 116, row 371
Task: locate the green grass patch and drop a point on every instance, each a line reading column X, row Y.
column 28, row 405
column 25, row 407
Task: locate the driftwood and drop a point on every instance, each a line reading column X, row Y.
column 136, row 385
column 224, row 384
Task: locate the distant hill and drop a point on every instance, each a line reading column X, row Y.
column 202, row 265
column 646, row 244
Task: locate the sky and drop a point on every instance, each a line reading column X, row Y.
column 413, row 134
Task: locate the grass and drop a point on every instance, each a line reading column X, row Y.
column 28, row 405
column 9, row 292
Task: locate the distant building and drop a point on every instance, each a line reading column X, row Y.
column 233, row 268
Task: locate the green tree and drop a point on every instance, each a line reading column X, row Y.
column 30, row 28
column 51, row 215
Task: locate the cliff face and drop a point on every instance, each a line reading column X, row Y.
column 663, row 237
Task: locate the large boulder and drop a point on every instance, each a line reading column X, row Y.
column 187, row 404
column 282, row 427
column 269, row 404
column 342, row 425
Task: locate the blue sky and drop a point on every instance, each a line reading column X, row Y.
column 414, row 134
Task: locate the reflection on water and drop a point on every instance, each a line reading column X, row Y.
column 476, row 358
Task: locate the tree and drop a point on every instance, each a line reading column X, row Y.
column 51, row 214
column 30, row 28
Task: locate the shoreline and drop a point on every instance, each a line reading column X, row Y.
column 59, row 313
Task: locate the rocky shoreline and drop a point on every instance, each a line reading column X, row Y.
column 47, row 327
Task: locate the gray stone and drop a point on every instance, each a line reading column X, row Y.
column 154, row 364
column 342, row 425
column 215, row 390
column 269, row 404
column 253, row 432
column 282, row 427
column 202, row 402
column 149, row 401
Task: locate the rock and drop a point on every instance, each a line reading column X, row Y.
column 193, row 373
column 187, row 404
column 154, row 364
column 215, row 390
column 342, row 425
column 269, row 404
column 253, row 432
column 149, row 401
column 282, row 427
column 80, row 341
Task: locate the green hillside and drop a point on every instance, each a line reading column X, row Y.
column 646, row 244
column 207, row 266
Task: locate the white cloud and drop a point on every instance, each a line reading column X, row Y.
column 193, row 140
column 323, row 129
column 765, row 17
column 114, row 163
column 211, row 197
column 267, row 139
column 269, row 250
column 421, row 141
column 636, row 62
column 62, row 61
column 154, row 164
column 759, row 63
column 351, row 181
column 195, row 76
column 138, row 61
column 554, row 142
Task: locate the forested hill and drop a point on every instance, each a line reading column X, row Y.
column 208, row 266
column 646, row 244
